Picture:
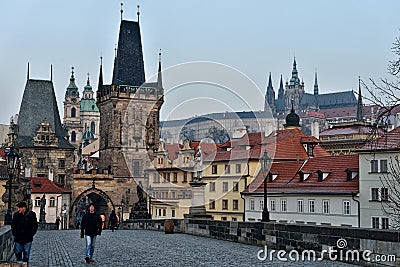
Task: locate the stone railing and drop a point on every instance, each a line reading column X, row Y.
column 384, row 244
column 6, row 243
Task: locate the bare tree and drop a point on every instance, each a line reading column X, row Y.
column 186, row 134
column 391, row 201
column 219, row 136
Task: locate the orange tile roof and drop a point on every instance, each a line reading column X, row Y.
column 44, row 185
column 288, row 177
column 389, row 141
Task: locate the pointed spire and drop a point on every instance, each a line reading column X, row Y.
column 159, row 78
column 27, row 75
column 360, row 107
column 295, row 75
column 72, row 80
column 122, row 11
column 72, row 89
column 316, row 84
column 51, row 72
column 88, row 79
column 100, row 84
column 269, row 82
column 138, row 13
column 281, row 92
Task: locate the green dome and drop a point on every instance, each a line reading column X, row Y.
column 89, row 105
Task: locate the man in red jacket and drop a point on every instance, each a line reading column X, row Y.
column 24, row 226
column 90, row 228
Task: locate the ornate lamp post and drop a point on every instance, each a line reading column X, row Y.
column 149, row 192
column 28, row 193
column 64, row 216
column 265, row 160
column 122, row 211
column 12, row 160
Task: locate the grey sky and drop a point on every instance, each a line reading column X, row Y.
column 341, row 39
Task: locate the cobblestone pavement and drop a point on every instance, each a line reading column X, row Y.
column 148, row 248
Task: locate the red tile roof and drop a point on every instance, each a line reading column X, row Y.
column 288, row 177
column 389, row 141
column 348, row 129
column 44, row 185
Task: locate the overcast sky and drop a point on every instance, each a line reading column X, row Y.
column 341, row 39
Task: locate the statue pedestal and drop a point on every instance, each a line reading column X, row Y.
column 197, row 208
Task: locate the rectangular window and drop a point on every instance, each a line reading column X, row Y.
column 164, row 212
column 325, row 206
column 374, row 165
column 375, row 222
column 212, row 204
column 283, row 205
column 212, row 186
column 52, row 202
column 385, row 223
column 37, row 201
column 261, row 204
column 160, row 160
column 173, row 213
column 175, row 180
column 61, row 179
column 384, row 165
column 159, row 212
column 223, row 218
column 224, row 204
column 227, row 169
column 225, row 187
column 311, row 205
column 214, row 169
column 384, row 194
column 173, row 194
column 238, row 168
column 137, row 168
column 185, row 159
column 184, row 177
column 235, row 186
column 168, row 177
column 346, row 207
column 192, row 177
column 234, row 219
column 235, row 203
column 300, row 206
column 272, row 205
column 61, row 163
column 251, row 203
column 375, row 194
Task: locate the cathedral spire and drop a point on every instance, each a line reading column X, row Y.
column 72, row 89
column 100, row 84
column 295, row 75
column 281, row 92
column 270, row 96
column 316, row 84
column 360, row 107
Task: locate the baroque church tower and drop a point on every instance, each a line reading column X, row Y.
column 129, row 110
column 71, row 119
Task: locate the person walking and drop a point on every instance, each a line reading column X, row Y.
column 24, row 226
column 113, row 220
column 90, row 228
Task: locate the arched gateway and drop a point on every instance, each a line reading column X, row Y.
column 101, row 200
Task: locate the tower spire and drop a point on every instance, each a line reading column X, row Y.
column 159, row 78
column 27, row 75
column 100, row 74
column 281, row 92
column 138, row 12
column 316, row 84
column 51, row 72
column 122, row 10
column 270, row 96
column 360, row 107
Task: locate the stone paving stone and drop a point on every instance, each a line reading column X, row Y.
column 148, row 248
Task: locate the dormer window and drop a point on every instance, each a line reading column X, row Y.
column 160, row 160
column 272, row 176
column 303, row 176
column 322, row 175
column 351, row 174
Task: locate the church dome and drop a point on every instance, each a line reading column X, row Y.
column 292, row 119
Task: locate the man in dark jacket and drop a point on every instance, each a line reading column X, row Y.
column 24, row 226
column 90, row 228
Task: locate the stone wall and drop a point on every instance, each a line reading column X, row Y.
column 299, row 237
column 6, row 243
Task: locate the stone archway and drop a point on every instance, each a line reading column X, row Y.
column 101, row 200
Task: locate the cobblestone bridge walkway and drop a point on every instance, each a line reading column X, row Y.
column 148, row 248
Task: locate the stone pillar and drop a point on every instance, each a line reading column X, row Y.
column 198, row 198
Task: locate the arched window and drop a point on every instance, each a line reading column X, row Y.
column 73, row 112
column 73, row 136
column 92, row 127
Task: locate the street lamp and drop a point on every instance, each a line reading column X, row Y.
column 122, row 211
column 265, row 159
column 149, row 191
column 64, row 216
column 12, row 159
column 28, row 193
